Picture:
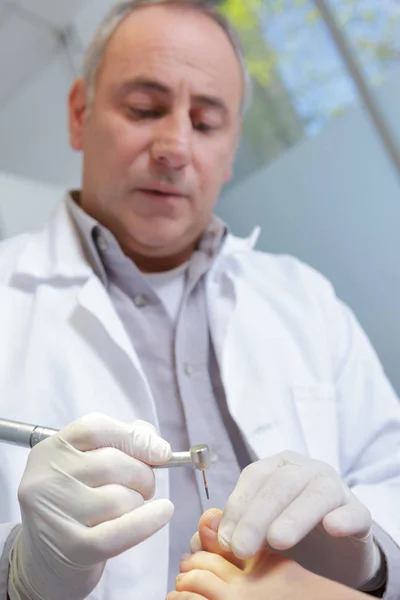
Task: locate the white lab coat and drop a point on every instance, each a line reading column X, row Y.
column 298, row 372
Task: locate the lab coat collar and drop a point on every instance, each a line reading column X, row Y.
column 229, row 260
column 234, row 245
column 56, row 251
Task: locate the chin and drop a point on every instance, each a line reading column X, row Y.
column 159, row 247
column 159, row 237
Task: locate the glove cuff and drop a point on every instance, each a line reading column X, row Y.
column 27, row 574
column 19, row 587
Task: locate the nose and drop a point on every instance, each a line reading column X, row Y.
column 172, row 146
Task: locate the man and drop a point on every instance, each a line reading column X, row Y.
column 212, row 574
column 135, row 303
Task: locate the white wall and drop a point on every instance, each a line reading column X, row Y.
column 34, row 125
column 25, row 205
column 334, row 201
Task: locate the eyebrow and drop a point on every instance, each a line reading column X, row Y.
column 151, row 85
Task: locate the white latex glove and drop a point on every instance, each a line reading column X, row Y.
column 301, row 508
column 82, row 500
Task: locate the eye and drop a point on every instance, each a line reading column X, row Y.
column 142, row 113
column 203, row 127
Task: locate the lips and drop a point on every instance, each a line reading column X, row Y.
column 162, row 193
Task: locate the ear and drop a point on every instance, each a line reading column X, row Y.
column 77, row 103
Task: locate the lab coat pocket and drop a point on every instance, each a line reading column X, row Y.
column 268, row 423
column 317, row 413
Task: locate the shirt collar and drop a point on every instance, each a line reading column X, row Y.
column 88, row 230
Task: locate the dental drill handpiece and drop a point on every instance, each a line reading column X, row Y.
column 28, row 436
column 199, row 457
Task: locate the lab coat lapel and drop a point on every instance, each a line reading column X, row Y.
column 271, row 390
column 256, row 391
column 55, row 255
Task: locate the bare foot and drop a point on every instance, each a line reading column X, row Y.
column 212, row 574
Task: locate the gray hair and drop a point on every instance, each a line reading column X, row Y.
column 98, row 46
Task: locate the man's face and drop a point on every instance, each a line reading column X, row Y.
column 160, row 138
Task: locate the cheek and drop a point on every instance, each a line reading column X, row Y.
column 118, row 142
column 215, row 169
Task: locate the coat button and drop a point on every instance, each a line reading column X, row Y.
column 102, row 243
column 140, row 301
column 188, row 369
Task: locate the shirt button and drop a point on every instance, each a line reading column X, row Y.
column 140, row 301
column 102, row 243
column 188, row 369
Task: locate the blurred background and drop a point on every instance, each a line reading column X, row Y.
column 319, row 164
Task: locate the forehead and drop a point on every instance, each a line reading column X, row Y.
column 181, row 48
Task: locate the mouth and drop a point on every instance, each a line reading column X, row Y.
column 161, row 193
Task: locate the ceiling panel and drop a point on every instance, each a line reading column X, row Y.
column 56, row 12
column 87, row 20
column 24, row 47
column 3, row 12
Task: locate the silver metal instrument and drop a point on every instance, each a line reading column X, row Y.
column 28, row 436
column 23, row 434
column 199, row 456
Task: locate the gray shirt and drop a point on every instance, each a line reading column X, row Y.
column 179, row 362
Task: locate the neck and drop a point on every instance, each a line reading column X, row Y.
column 145, row 263
column 160, row 264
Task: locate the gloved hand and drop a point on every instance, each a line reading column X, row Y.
column 82, row 500
column 301, row 508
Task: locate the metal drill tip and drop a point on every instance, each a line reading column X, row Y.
column 206, row 485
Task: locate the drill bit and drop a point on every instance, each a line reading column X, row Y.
column 206, row 485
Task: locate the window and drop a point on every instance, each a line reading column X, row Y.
column 300, row 80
